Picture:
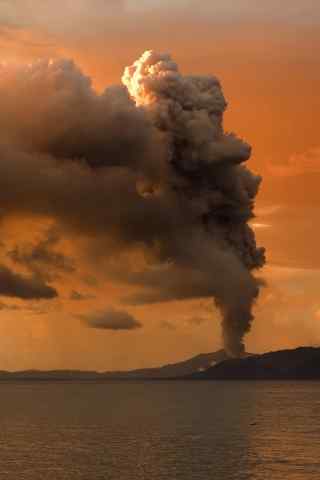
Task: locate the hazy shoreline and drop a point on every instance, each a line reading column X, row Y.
column 302, row 363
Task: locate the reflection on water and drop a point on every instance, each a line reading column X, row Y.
column 160, row 430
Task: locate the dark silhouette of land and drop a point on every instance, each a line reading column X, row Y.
column 299, row 364
column 175, row 370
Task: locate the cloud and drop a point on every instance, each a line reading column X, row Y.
column 5, row 306
column 259, row 225
column 146, row 165
column 27, row 288
column 168, row 325
column 78, row 296
column 86, row 17
column 268, row 210
column 298, row 164
column 41, row 258
column 197, row 320
column 45, row 15
column 112, row 320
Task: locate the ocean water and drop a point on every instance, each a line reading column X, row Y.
column 160, row 431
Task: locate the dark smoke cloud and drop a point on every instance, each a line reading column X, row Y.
column 146, row 165
column 215, row 252
column 13, row 284
column 112, row 320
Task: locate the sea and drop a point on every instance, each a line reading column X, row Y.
column 160, row 430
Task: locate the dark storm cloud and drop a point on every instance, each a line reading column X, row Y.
column 146, row 165
column 27, row 288
column 112, row 320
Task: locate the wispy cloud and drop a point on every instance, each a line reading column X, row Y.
column 298, row 164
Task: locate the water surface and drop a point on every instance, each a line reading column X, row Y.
column 160, row 431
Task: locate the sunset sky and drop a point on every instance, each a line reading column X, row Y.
column 266, row 57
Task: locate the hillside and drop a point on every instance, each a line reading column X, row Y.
column 299, row 364
column 179, row 369
column 200, row 362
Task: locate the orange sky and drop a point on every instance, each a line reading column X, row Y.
column 269, row 69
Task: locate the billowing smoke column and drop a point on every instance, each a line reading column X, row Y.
column 144, row 166
column 207, row 173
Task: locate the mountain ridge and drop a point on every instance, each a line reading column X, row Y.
column 168, row 371
column 302, row 363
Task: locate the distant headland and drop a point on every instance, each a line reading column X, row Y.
column 298, row 364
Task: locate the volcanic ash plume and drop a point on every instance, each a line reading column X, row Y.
column 214, row 251
column 145, row 166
